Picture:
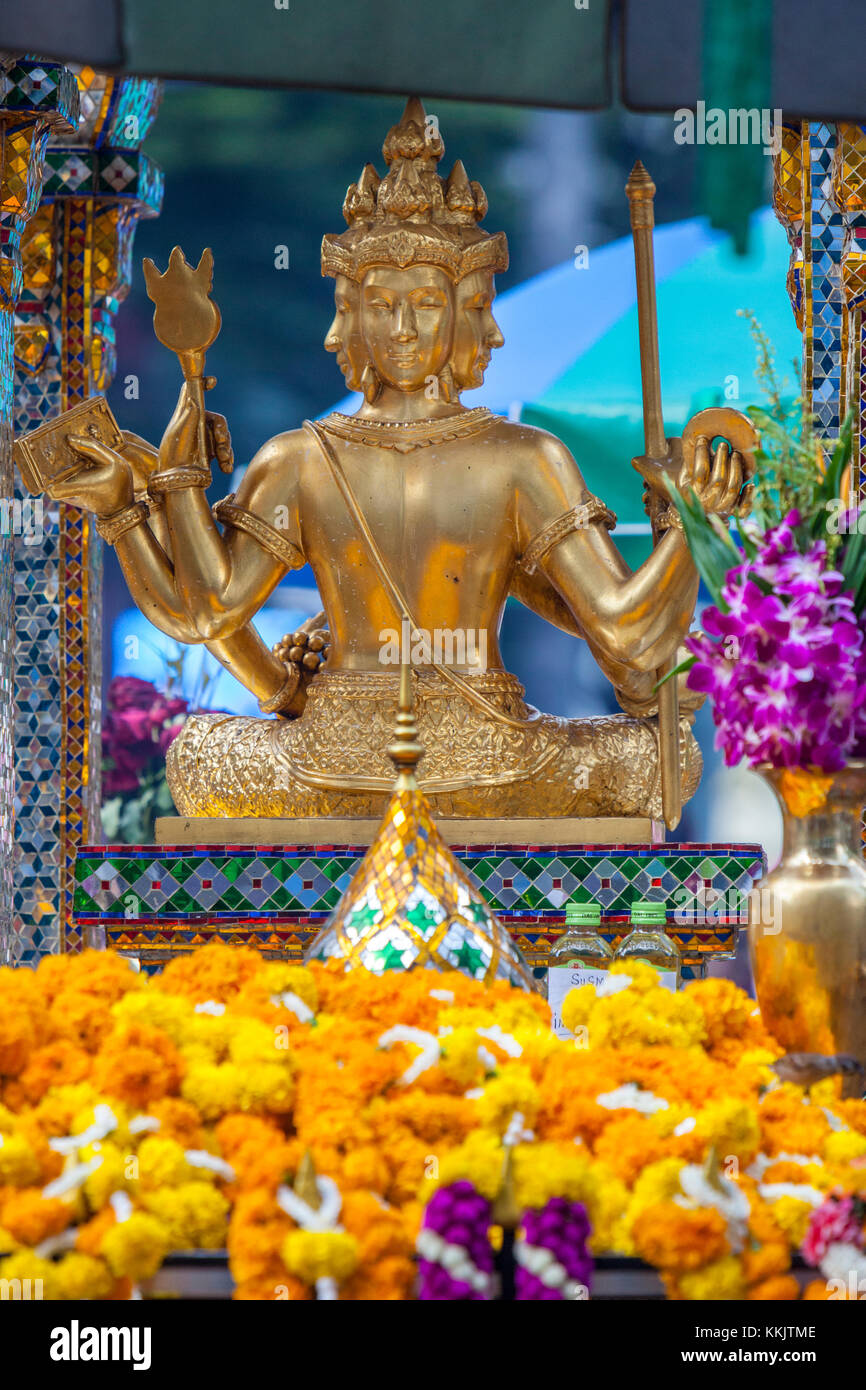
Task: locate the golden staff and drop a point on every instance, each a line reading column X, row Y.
column 640, row 191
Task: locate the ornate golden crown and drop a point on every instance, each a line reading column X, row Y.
column 413, row 216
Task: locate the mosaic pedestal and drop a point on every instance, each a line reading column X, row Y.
column 156, row 901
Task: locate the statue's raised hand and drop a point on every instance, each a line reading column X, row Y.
column 721, row 479
column 104, row 485
column 184, row 440
column 143, row 458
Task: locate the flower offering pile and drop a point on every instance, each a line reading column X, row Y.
column 348, row 1136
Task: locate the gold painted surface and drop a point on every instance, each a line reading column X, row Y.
column 415, row 509
column 789, row 205
column 334, row 761
column 283, row 830
column 807, row 934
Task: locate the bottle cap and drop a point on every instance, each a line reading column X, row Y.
column 648, row 914
column 582, row 915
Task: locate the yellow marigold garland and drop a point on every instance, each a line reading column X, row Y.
column 140, row 1116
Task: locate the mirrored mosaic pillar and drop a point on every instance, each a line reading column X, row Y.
column 34, row 97
column 805, row 205
column 820, row 199
column 849, row 189
column 77, row 263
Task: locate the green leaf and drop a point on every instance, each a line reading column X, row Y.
column 685, row 665
column 840, row 456
column 853, row 560
column 750, row 548
column 163, row 803
column 852, row 564
column 712, row 555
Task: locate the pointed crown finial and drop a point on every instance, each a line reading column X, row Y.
column 413, row 215
column 506, row 1211
column 639, row 184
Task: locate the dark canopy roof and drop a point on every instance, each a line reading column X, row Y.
column 531, row 52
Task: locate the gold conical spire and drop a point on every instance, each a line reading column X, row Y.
column 405, row 752
column 411, row 903
column 640, row 184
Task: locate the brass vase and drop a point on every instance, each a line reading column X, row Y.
column 807, row 928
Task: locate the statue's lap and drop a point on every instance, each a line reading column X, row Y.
column 332, row 761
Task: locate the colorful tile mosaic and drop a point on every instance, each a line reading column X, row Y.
column 77, row 268
column 157, row 901
column 820, row 199
column 411, row 902
column 849, row 191
column 819, row 196
column 34, row 98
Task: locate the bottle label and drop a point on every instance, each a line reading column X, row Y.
column 667, row 978
column 563, row 978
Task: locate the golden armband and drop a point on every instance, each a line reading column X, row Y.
column 230, row 514
column 111, row 528
column 590, row 511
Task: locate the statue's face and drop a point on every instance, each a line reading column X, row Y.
column 407, row 321
column 344, row 335
column 476, row 331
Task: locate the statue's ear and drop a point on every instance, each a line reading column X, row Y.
column 370, row 383
column 448, row 389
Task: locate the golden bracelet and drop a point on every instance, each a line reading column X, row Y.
column 174, row 479
column 670, row 519
column 286, row 693
column 111, row 528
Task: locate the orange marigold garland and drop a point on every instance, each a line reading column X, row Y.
column 142, row 1115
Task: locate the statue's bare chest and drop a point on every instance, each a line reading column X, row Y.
column 445, row 494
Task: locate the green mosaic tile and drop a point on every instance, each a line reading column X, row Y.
column 626, row 874
column 232, row 900
column 283, row 900
column 533, row 897
column 182, row 902
column 232, row 868
column 335, row 868
column 180, row 869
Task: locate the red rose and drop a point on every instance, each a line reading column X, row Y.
column 133, row 759
column 129, row 725
column 128, row 692
column 167, row 735
column 164, row 710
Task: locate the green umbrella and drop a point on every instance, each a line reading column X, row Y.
column 707, row 356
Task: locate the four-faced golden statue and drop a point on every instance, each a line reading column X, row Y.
column 419, row 516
